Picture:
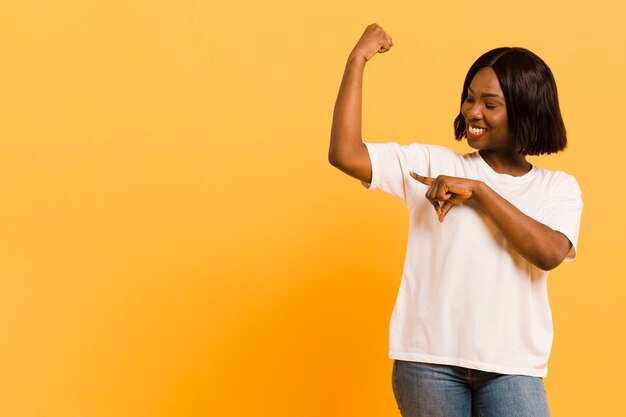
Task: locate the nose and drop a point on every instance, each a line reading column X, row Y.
column 474, row 112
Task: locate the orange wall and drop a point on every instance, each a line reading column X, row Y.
column 173, row 241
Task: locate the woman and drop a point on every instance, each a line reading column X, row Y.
column 471, row 330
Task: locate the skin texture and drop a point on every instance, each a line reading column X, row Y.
column 485, row 107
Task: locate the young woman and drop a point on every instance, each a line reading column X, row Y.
column 471, row 330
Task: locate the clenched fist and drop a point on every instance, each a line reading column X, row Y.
column 374, row 40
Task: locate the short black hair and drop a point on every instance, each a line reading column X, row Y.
column 532, row 103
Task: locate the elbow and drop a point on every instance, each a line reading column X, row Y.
column 549, row 262
column 547, row 266
column 334, row 160
column 554, row 254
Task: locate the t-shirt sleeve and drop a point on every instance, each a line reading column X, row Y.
column 563, row 212
column 391, row 164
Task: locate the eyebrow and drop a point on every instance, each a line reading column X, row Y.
column 486, row 94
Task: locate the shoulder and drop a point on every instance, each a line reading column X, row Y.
column 559, row 181
column 556, row 176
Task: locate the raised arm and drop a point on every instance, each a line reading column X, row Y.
column 347, row 151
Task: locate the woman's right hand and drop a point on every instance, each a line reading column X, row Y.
column 373, row 40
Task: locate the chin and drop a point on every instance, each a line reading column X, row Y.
column 472, row 143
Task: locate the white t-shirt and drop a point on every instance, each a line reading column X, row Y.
column 467, row 298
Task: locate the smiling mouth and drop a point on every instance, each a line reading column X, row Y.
column 476, row 130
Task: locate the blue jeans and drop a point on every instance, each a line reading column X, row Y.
column 432, row 390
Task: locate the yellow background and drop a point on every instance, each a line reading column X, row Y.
column 174, row 242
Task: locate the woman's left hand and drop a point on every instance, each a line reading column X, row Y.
column 446, row 192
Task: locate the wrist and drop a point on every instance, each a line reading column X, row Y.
column 356, row 58
column 479, row 191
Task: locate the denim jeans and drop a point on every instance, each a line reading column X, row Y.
column 432, row 390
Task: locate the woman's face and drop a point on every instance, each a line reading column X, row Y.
column 485, row 115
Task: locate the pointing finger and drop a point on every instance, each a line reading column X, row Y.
column 423, row 180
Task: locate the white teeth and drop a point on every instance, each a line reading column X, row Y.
column 476, row 130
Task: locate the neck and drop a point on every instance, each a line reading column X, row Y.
column 514, row 164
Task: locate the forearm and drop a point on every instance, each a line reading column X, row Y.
column 345, row 135
column 536, row 242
